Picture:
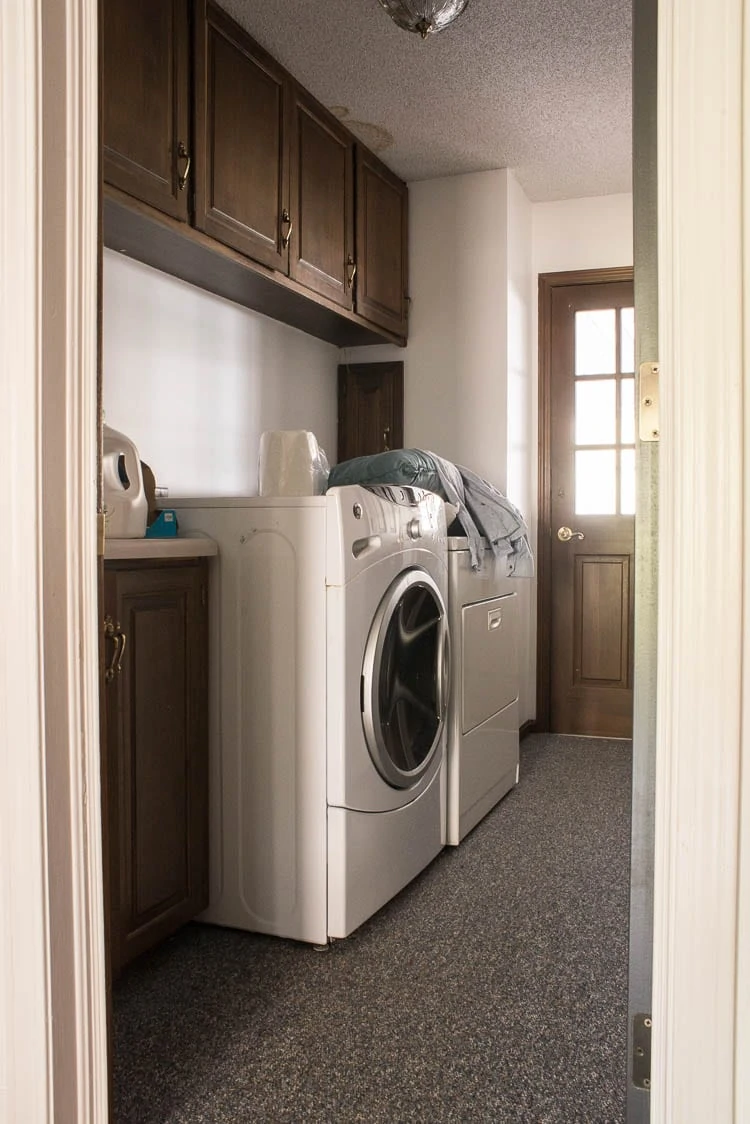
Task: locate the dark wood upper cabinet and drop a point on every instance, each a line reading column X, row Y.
column 382, row 263
column 241, row 133
column 145, row 101
column 156, row 750
column 322, row 201
column 279, row 212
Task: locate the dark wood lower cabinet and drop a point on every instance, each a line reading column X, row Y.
column 156, row 698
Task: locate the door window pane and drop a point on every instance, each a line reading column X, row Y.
column 596, row 412
column 627, row 412
column 627, row 482
column 408, row 705
column 596, row 482
column 595, row 342
column 627, row 340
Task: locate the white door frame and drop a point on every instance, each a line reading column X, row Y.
column 701, row 1015
column 52, row 1039
column 53, row 1063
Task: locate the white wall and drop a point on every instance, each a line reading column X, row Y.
column 594, row 233
column 193, row 380
column 455, row 364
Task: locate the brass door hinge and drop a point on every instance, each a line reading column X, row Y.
column 101, row 533
column 648, row 401
column 642, row 1051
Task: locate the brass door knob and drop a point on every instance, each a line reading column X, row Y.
column 565, row 534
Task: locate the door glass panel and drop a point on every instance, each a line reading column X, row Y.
column 409, row 713
column 596, row 482
column 595, row 337
column 627, row 340
column 627, row 412
column 596, row 412
column 627, row 482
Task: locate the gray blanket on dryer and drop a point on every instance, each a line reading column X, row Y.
column 485, row 513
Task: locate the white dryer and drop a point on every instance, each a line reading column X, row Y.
column 329, row 682
column 483, row 735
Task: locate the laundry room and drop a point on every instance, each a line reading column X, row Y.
column 303, row 893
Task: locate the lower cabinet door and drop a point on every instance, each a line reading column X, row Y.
column 156, row 699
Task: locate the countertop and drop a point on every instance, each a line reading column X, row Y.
column 181, row 546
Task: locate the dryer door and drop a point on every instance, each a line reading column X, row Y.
column 405, row 679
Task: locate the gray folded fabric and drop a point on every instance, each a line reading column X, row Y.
column 484, row 512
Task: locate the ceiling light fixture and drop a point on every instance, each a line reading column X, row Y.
column 424, row 16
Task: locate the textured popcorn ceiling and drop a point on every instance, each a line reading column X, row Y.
column 535, row 85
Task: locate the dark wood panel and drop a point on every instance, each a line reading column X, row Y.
column 183, row 252
column 382, row 262
column 322, row 202
column 371, row 408
column 241, row 108
column 145, row 100
column 157, row 751
column 159, row 783
column 602, row 605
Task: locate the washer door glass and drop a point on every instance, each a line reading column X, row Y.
column 403, row 688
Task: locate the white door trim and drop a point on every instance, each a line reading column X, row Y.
column 53, row 1063
column 25, row 1046
column 704, row 637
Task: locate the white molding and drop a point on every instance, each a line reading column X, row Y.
column 25, row 1046
column 702, row 636
column 53, row 1063
column 742, row 1044
column 69, row 419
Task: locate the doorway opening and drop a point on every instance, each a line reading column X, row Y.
column 586, row 542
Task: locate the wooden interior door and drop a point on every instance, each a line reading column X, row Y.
column 591, row 508
column 371, row 409
column 145, row 101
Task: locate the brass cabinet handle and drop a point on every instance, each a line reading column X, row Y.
column 113, row 632
column 565, row 534
column 183, row 154
column 285, row 237
column 386, row 439
column 351, row 271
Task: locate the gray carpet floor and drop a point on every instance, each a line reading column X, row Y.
column 493, row 988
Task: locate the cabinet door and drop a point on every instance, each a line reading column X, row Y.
column 322, row 202
column 382, row 267
column 157, row 752
column 241, row 110
column 145, row 100
column 371, row 409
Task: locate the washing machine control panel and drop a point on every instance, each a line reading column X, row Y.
column 373, row 523
column 402, row 494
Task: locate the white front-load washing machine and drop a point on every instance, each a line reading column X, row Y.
column 329, row 671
